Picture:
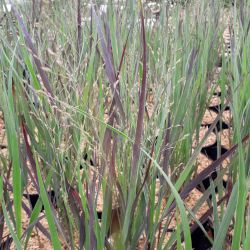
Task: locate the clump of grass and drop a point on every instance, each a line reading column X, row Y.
column 105, row 106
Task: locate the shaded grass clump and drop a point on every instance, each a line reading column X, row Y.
column 102, row 109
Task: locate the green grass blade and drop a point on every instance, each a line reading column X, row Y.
column 222, row 231
column 49, row 214
column 10, row 227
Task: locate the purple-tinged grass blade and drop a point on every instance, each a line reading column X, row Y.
column 82, row 231
column 37, row 223
column 108, row 40
column 4, row 197
column 107, row 136
column 77, row 210
column 123, row 55
column 203, row 218
column 142, row 99
column 192, row 58
column 121, row 196
column 90, row 198
column 72, row 192
column 108, row 132
column 173, row 205
column 112, row 112
column 30, row 157
column 210, row 169
column 34, row 53
column 119, row 68
column 110, row 71
column 166, row 147
column 28, row 211
column 79, row 29
column 112, row 115
column 109, row 67
column 205, row 173
column 144, row 181
column 209, row 212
